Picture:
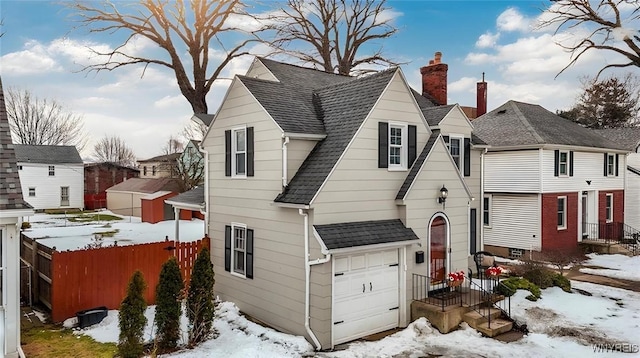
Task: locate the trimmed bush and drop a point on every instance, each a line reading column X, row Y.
column 200, row 304
column 132, row 319
column 169, row 305
column 509, row 287
column 541, row 276
column 560, row 281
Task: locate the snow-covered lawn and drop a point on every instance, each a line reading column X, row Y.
column 561, row 325
column 616, row 266
column 56, row 231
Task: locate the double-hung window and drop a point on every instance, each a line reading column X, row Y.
column 455, row 144
column 486, row 211
column 238, row 250
column 562, row 212
column 609, row 208
column 563, row 163
column 611, row 165
column 397, row 146
column 239, row 155
column 52, row 170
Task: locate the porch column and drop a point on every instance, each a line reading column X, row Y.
column 176, row 212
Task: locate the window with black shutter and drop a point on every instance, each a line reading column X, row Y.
column 239, row 152
column 238, row 250
column 397, row 145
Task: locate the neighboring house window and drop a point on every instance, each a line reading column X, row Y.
column 19, row 167
column 144, row 170
column 563, row 163
column 64, row 196
column 396, row 145
column 486, row 211
column 239, row 153
column 609, row 208
column 238, row 250
column 611, row 164
column 153, row 170
column 52, row 170
column 32, row 192
column 562, row 212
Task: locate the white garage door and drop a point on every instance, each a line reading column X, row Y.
column 365, row 294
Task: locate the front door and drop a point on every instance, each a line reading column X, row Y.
column 437, row 253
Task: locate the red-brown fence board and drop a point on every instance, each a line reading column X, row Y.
column 98, row 277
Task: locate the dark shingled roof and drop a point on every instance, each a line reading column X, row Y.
column 516, row 123
column 204, row 118
column 476, row 140
column 627, row 137
column 413, row 173
column 10, row 189
column 162, row 158
column 343, row 108
column 194, row 196
column 147, row 185
column 47, row 154
column 424, row 104
column 435, row 115
column 343, row 235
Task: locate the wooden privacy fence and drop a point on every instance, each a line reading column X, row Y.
column 84, row 279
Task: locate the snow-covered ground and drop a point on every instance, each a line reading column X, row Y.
column 56, row 231
column 561, row 325
column 616, row 266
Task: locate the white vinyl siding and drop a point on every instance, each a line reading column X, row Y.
column 48, row 193
column 297, row 152
column 515, row 221
column 513, row 171
column 258, row 70
column 587, row 166
column 358, row 190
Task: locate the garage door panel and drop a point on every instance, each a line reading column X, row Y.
column 358, row 262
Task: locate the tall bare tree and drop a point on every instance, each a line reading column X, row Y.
column 113, row 149
column 334, row 35
column 193, row 27
column 173, row 145
column 611, row 25
column 38, row 121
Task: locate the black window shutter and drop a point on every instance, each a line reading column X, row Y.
column 467, row 157
column 617, row 158
column 383, row 145
column 571, row 163
column 605, row 164
column 227, row 248
column 473, row 217
column 412, row 152
column 249, row 268
column 446, row 138
column 227, row 153
column 250, row 151
column 556, row 165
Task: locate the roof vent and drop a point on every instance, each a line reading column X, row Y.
column 502, row 111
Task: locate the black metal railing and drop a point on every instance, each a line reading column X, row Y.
column 425, row 289
column 613, row 233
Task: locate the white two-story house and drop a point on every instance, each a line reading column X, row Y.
column 52, row 176
column 326, row 194
column 548, row 182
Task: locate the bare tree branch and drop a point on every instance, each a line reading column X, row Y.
column 612, row 25
column 176, row 28
column 114, row 150
column 38, row 121
column 333, row 33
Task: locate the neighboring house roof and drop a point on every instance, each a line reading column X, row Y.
column 518, row 124
column 628, row 137
column 47, row 154
column 343, row 235
column 147, row 185
column 343, row 108
column 417, row 165
column 162, row 158
column 194, row 196
column 635, row 171
column 10, row 189
column 204, row 118
column 110, row 165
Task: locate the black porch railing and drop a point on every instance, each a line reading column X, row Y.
column 486, row 298
column 439, row 293
column 613, row 233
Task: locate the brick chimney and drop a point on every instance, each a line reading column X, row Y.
column 434, row 80
column 481, row 97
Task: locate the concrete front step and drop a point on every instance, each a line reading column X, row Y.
column 498, row 326
column 474, row 318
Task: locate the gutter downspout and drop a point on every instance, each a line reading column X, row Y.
column 285, row 157
column 482, row 208
column 307, row 279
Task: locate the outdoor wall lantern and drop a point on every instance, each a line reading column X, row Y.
column 443, row 195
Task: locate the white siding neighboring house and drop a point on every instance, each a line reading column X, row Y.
column 12, row 210
column 549, row 183
column 321, row 190
column 52, row 176
column 630, row 139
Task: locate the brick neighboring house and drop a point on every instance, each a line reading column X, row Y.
column 548, row 182
column 98, row 177
column 161, row 166
column 13, row 208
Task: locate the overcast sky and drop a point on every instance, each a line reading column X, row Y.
column 40, row 53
